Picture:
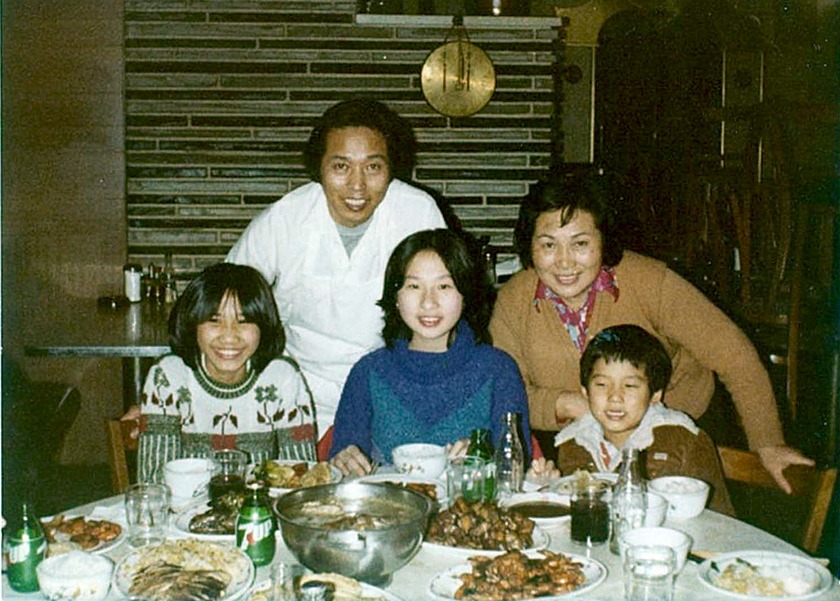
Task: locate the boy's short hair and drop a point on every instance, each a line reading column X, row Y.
column 628, row 343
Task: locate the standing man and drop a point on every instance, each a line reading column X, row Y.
column 324, row 246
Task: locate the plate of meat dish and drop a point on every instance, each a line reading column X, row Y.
column 185, row 568
column 80, row 532
column 547, row 509
column 542, row 575
column 470, row 528
column 281, row 476
column 211, row 520
column 764, row 574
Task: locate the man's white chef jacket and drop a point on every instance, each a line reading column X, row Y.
column 327, row 301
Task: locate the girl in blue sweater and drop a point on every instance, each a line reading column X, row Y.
column 438, row 377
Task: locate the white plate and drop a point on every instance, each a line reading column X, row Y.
column 276, row 491
column 369, row 592
column 544, row 497
column 563, row 486
column 183, row 517
column 440, row 487
column 541, row 540
column 237, row 562
column 444, row 585
column 102, row 547
column 813, row 579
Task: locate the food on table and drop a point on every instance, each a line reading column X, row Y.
column 221, row 517
column 424, row 488
column 480, row 525
column 294, row 475
column 579, row 480
column 745, row 578
column 185, row 568
column 540, row 509
column 75, row 575
column 87, row 534
column 343, row 588
column 514, row 575
column 331, row 513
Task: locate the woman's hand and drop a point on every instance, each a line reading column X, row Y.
column 457, row 448
column 133, row 415
column 542, row 470
column 352, row 461
column 776, row 459
column 570, row 405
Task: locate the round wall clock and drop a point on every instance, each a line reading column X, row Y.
column 458, row 79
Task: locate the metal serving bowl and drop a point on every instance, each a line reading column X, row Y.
column 368, row 553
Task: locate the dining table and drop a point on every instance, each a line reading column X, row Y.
column 136, row 333
column 712, row 534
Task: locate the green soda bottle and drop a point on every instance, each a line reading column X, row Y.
column 24, row 546
column 255, row 527
column 481, row 446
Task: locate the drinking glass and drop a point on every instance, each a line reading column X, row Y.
column 590, row 511
column 465, row 478
column 285, row 580
column 649, row 573
column 230, row 476
column 146, row 512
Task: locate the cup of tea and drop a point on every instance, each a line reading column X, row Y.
column 188, row 478
column 230, row 475
column 590, row 511
column 146, row 512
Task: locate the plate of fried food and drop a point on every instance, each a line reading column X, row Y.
column 80, row 532
column 764, row 574
column 542, row 575
column 340, row 588
column 454, row 530
column 185, row 568
column 281, row 476
column 211, row 519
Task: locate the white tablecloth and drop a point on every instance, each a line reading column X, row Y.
column 712, row 532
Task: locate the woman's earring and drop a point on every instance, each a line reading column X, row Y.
column 203, row 361
column 248, row 366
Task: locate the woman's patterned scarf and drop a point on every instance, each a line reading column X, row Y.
column 577, row 321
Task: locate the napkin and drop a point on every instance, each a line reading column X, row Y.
column 111, row 513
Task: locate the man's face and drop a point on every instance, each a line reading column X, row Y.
column 355, row 174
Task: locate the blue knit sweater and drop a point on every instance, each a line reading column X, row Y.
column 397, row 395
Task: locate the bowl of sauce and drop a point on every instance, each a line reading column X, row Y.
column 547, row 509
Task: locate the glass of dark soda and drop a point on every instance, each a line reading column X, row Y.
column 230, row 476
column 590, row 512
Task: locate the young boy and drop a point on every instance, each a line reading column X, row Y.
column 623, row 373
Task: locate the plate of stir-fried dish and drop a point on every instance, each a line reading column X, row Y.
column 764, row 574
column 542, row 575
column 185, row 568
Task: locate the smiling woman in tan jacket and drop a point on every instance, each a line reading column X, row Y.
column 578, row 280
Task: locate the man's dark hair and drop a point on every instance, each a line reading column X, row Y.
column 363, row 112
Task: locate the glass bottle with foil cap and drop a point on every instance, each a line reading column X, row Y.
column 627, row 508
column 510, row 456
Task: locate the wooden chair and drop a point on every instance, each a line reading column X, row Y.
column 120, row 444
column 812, row 490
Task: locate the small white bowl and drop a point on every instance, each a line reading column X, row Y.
column 678, row 540
column 655, row 509
column 420, row 459
column 75, row 575
column 686, row 496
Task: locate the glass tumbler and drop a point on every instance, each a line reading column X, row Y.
column 147, row 513
column 649, row 573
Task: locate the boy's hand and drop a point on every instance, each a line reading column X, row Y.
column 542, row 471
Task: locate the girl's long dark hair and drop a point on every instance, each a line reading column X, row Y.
column 201, row 301
column 465, row 268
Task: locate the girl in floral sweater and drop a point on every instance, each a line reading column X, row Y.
column 225, row 384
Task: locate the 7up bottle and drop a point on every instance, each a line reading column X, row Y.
column 24, row 546
column 255, row 527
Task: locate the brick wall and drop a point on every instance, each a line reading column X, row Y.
column 220, row 97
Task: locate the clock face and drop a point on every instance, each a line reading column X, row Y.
column 458, row 79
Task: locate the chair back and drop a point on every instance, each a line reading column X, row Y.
column 120, row 445
column 812, row 490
